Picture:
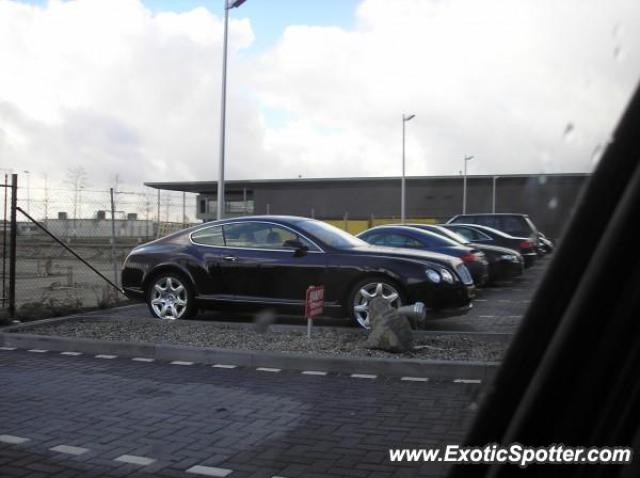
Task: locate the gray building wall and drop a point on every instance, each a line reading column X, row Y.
column 548, row 199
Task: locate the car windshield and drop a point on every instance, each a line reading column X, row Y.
column 330, row 235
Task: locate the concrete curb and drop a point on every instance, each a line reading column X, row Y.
column 501, row 337
column 291, row 361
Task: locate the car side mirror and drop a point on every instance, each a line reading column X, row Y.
column 297, row 245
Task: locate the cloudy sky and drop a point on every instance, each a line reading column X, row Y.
column 317, row 88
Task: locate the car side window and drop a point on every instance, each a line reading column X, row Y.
column 376, row 239
column 399, row 240
column 489, row 221
column 261, row 235
column 471, row 234
column 515, row 226
column 464, row 232
column 210, row 236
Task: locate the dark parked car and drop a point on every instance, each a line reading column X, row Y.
column 504, row 263
column 417, row 239
column 517, row 225
column 269, row 261
column 487, row 235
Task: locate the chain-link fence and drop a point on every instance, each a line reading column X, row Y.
column 101, row 226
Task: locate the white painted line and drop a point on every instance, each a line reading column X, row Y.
column 37, row 351
column 487, row 316
column 363, row 375
column 142, row 359
column 479, row 300
column 7, row 348
column 267, row 369
column 466, row 380
column 70, row 450
column 415, row 379
column 223, row 365
column 514, row 317
column 313, row 372
column 209, row 471
column 72, row 354
column 108, row 357
column 135, row 460
column 13, row 440
column 179, row 362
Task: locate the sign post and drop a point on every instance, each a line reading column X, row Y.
column 314, row 304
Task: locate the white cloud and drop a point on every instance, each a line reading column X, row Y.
column 497, row 78
column 112, row 86
column 108, row 85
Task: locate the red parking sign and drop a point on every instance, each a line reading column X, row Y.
column 314, row 303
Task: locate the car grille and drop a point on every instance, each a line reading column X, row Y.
column 463, row 272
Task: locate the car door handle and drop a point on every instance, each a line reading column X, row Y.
column 229, row 258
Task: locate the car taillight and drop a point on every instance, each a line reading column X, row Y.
column 469, row 257
column 526, row 245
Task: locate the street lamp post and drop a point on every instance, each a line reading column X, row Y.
column 405, row 118
column 228, row 5
column 28, row 173
column 493, row 202
column 464, row 185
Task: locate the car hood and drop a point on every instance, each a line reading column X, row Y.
column 398, row 252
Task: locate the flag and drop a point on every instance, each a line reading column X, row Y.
column 234, row 3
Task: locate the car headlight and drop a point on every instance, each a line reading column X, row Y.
column 433, row 276
column 447, row 276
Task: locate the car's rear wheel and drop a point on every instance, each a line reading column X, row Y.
column 367, row 290
column 170, row 297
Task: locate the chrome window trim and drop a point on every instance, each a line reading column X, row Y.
column 319, row 251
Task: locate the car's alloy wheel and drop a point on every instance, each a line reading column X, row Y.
column 168, row 298
column 369, row 291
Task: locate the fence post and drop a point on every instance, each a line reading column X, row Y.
column 13, row 233
column 4, row 241
column 113, row 238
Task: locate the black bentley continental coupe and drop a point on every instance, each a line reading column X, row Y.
column 269, row 261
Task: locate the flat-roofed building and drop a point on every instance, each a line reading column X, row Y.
column 548, row 198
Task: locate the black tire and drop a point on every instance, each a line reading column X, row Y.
column 177, row 289
column 388, row 285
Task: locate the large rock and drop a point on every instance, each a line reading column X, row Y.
column 390, row 331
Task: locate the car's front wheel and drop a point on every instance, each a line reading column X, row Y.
column 170, row 297
column 367, row 290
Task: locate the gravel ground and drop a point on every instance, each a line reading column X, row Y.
column 330, row 342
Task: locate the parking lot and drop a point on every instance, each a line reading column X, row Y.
column 496, row 309
column 84, row 415
column 254, row 423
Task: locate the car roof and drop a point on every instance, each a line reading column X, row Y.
column 492, row 214
column 410, row 228
column 485, row 229
column 264, row 217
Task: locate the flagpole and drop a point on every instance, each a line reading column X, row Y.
column 223, row 105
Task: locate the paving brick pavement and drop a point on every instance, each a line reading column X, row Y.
column 253, row 423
